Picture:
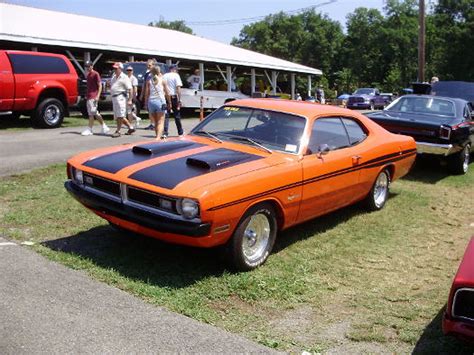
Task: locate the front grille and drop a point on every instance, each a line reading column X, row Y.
column 151, row 199
column 102, row 184
column 463, row 304
column 353, row 100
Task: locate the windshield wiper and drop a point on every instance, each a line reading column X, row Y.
column 208, row 134
column 249, row 140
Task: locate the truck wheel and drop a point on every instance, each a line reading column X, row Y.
column 459, row 163
column 49, row 113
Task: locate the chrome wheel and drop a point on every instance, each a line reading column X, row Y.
column 52, row 114
column 465, row 163
column 256, row 237
column 380, row 190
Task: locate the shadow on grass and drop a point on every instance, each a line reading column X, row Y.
column 141, row 258
column 433, row 341
column 429, row 169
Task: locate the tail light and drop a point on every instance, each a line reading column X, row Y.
column 445, row 132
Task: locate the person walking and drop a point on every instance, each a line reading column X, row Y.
column 320, row 95
column 174, row 83
column 131, row 110
column 121, row 91
column 149, row 64
column 158, row 99
column 194, row 80
column 94, row 89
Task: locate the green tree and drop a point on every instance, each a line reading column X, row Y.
column 363, row 46
column 453, row 55
column 308, row 38
column 178, row 25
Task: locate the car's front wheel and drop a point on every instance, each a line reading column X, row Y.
column 459, row 163
column 253, row 238
column 378, row 195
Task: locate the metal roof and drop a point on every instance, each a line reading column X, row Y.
column 38, row 26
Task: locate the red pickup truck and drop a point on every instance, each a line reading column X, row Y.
column 42, row 85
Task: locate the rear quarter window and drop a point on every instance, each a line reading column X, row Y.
column 33, row 64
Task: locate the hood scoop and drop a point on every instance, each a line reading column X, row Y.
column 218, row 159
column 161, row 148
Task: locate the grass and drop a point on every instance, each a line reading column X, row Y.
column 347, row 282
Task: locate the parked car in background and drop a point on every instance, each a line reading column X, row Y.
column 366, row 98
column 458, row 319
column 441, row 126
column 388, row 97
column 40, row 85
column 250, row 169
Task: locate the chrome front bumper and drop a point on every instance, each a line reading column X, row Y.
column 433, row 148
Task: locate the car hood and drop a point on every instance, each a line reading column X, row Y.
column 178, row 167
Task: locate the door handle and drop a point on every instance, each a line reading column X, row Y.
column 356, row 159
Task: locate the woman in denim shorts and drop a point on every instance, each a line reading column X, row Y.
column 156, row 97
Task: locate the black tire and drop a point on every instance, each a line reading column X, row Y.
column 245, row 251
column 459, row 163
column 49, row 113
column 379, row 192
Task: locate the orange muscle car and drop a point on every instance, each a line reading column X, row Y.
column 251, row 168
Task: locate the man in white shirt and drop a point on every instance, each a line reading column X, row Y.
column 121, row 92
column 131, row 110
column 194, row 80
column 173, row 80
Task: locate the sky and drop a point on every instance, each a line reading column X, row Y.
column 192, row 11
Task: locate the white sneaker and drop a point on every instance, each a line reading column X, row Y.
column 87, row 132
column 105, row 129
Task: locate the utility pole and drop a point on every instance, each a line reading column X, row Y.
column 421, row 41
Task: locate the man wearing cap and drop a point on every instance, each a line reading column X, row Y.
column 121, row 92
column 94, row 89
column 131, row 110
column 174, row 83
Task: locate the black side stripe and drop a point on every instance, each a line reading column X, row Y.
column 367, row 165
column 114, row 162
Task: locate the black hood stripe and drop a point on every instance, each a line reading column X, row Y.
column 114, row 162
column 173, row 172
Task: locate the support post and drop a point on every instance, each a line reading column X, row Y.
column 252, row 81
column 421, row 41
column 131, row 58
column 97, row 58
column 87, row 56
column 293, row 86
column 309, row 85
column 74, row 60
column 274, row 82
column 201, row 74
column 229, row 78
column 168, row 62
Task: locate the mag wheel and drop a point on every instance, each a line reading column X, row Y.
column 459, row 162
column 378, row 195
column 253, row 239
column 49, row 113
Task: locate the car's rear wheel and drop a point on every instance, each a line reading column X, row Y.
column 49, row 113
column 459, row 163
column 252, row 241
column 378, row 195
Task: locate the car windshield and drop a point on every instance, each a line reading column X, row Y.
column 364, row 91
column 423, row 105
column 265, row 129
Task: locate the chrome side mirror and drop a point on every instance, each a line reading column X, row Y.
column 323, row 149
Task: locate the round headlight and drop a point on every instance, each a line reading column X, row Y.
column 78, row 176
column 189, row 208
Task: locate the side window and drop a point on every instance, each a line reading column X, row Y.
column 328, row 131
column 469, row 111
column 36, row 64
column 354, row 130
